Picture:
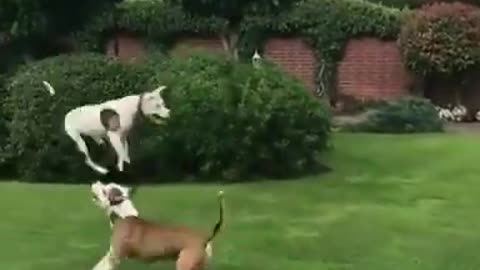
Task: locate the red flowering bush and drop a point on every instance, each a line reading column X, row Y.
column 441, row 38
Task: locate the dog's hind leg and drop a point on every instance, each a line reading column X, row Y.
column 125, row 148
column 108, row 262
column 191, row 259
column 82, row 147
column 116, row 142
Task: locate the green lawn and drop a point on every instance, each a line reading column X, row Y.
column 392, row 202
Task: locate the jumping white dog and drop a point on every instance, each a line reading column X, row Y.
column 113, row 120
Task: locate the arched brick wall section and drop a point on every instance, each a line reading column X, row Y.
column 372, row 69
column 129, row 46
column 182, row 45
column 294, row 56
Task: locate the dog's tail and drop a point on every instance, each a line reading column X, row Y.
column 49, row 88
column 219, row 223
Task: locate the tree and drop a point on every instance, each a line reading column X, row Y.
column 27, row 18
column 234, row 11
column 30, row 29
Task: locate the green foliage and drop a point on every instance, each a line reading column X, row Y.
column 441, row 38
column 328, row 25
column 3, row 117
column 37, row 138
column 230, row 120
column 406, row 115
column 350, row 105
column 156, row 20
column 25, row 18
column 234, row 10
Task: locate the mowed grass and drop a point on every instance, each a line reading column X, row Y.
column 391, row 202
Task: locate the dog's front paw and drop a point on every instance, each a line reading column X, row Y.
column 120, row 167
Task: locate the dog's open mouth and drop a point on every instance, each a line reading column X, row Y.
column 158, row 118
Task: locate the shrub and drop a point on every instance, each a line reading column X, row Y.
column 349, row 105
column 228, row 119
column 5, row 162
column 231, row 120
column 406, row 115
column 36, row 135
column 441, row 38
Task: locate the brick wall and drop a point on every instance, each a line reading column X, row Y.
column 129, row 47
column 372, row 69
column 294, row 56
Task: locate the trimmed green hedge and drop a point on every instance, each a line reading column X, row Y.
column 228, row 120
column 232, row 121
column 406, row 115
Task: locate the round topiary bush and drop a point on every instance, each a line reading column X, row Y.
column 441, row 38
column 36, row 136
column 231, row 120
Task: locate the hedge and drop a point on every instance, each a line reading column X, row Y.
column 405, row 115
column 228, row 120
column 232, row 121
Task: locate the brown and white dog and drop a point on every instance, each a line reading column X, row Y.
column 136, row 238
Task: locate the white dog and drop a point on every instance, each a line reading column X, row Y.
column 115, row 199
column 113, row 120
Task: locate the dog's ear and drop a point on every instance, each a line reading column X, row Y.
column 110, row 119
column 115, row 196
column 159, row 90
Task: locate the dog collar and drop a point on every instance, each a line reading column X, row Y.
column 139, row 114
column 117, row 202
column 139, row 105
